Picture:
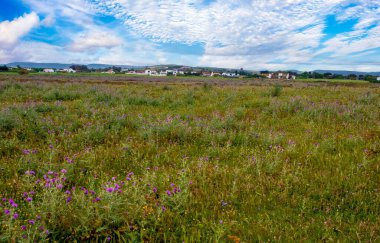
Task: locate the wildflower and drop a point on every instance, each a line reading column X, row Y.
column 113, row 178
column 32, row 193
column 15, row 216
column 68, row 192
column 168, row 192
column 155, row 190
column 163, row 208
column 23, row 227
column 30, row 172
column 220, row 221
column 29, row 199
column 25, row 194
column 59, row 186
column 50, row 172
column 109, row 189
column 108, row 238
column 68, row 199
column 26, row 151
column 38, row 181
column 172, row 185
column 41, row 228
column 24, row 236
column 47, row 232
column 223, row 203
column 92, row 192
column 63, row 171
column 7, row 212
column 38, row 217
column 31, row 222
column 12, row 203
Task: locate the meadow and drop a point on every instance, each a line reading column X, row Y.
column 189, row 161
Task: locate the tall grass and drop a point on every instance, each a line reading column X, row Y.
column 188, row 163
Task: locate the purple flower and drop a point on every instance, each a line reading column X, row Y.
column 26, row 151
column 38, row 181
column 38, row 217
column 168, row 192
column 15, row 216
column 29, row 199
column 59, row 186
column 24, row 236
column 25, row 194
column 41, row 228
column 30, row 172
column 172, row 185
column 163, row 208
column 50, row 172
column 68, row 192
column 108, row 238
column 7, row 212
column 109, row 189
column 31, row 222
column 32, row 193
column 155, row 190
column 68, row 199
column 47, row 232
column 23, row 227
column 63, row 171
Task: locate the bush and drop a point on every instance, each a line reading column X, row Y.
column 8, row 122
column 276, row 91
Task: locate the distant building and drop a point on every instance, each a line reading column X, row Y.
column 111, row 71
column 69, row 70
column 279, row 75
column 215, row 74
column 48, row 70
column 230, row 75
column 378, row 79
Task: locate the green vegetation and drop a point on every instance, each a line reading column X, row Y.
column 189, row 162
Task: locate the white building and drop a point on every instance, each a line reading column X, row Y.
column 378, row 78
column 69, row 70
column 230, row 75
column 48, row 70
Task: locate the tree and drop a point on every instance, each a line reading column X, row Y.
column 371, row 78
column 4, row 69
column 80, row 68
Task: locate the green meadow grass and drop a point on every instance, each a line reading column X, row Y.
column 188, row 163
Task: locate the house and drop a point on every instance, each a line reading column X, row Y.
column 215, row 74
column 230, row 75
column 69, row 70
column 151, row 72
column 280, row 75
column 206, row 74
column 378, row 79
column 48, row 70
column 111, row 71
column 171, row 72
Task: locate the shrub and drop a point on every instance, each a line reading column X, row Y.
column 276, row 90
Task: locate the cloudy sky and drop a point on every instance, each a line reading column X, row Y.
column 253, row 34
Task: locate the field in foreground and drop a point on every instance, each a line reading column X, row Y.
column 189, row 162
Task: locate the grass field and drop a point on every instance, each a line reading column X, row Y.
column 189, row 161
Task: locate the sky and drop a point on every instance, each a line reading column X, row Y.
column 250, row 34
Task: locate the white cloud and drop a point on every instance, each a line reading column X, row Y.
column 95, row 39
column 12, row 31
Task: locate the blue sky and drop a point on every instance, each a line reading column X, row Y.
column 252, row 34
